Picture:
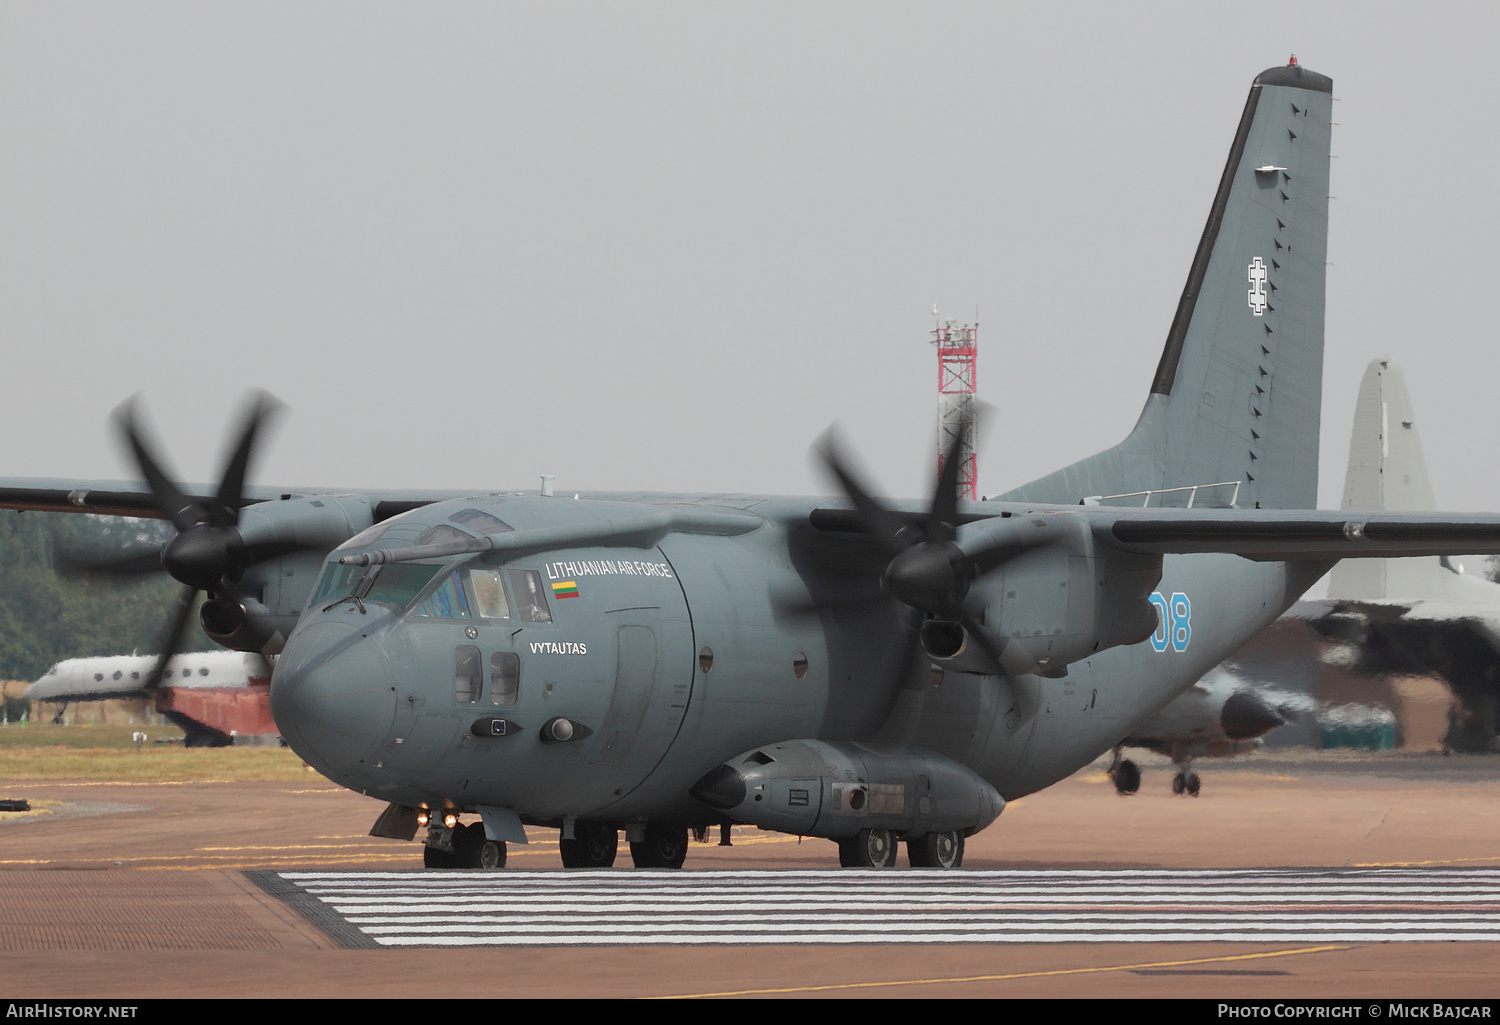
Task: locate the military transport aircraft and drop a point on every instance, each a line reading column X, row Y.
column 860, row 670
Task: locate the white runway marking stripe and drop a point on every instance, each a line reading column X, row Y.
column 625, row 907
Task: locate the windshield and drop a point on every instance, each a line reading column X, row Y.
column 337, row 581
column 398, row 583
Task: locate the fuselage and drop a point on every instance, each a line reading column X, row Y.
column 667, row 660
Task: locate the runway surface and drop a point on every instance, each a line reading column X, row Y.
column 212, row 889
column 836, row 907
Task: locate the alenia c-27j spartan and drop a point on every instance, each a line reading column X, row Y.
column 860, row 670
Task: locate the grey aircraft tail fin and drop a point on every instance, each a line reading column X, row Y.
column 1387, row 472
column 1237, row 395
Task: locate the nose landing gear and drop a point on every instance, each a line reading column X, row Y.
column 466, row 847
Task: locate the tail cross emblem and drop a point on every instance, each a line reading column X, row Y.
column 1258, row 287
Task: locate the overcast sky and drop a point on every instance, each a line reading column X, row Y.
column 664, row 245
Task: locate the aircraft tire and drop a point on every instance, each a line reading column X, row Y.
column 594, row 845
column 1179, row 784
column 869, row 848
column 1126, row 777
column 492, row 855
column 936, row 850
column 663, row 847
column 1193, row 783
column 467, row 842
column 434, row 858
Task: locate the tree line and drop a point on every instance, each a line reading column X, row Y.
column 46, row 617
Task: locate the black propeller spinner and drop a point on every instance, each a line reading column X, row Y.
column 928, row 571
column 208, row 553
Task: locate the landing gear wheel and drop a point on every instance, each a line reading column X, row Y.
column 936, row 850
column 1179, row 784
column 869, row 848
column 1193, row 783
column 467, row 842
column 663, row 847
column 1126, row 777
column 492, row 855
column 434, row 858
column 594, row 845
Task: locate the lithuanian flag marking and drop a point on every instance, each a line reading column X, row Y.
column 565, row 589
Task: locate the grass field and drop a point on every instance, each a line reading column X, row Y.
column 37, row 751
column 118, row 736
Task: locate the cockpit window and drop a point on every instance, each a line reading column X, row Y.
column 447, row 602
column 337, row 581
column 400, row 582
column 480, row 522
column 531, row 602
column 489, row 593
column 442, row 532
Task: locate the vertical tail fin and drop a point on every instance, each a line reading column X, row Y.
column 1387, row 471
column 1237, row 395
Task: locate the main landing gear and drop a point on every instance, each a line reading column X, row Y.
column 876, row 848
column 662, row 847
column 1125, row 775
column 594, row 845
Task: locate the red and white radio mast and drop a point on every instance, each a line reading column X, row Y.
column 958, row 359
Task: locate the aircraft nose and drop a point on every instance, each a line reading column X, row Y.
column 1246, row 716
column 333, row 695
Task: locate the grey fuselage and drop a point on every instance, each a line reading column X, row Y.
column 367, row 693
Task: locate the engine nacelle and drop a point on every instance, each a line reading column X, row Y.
column 833, row 790
column 244, row 626
column 1062, row 597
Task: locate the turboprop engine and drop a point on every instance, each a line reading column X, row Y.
column 1016, row 593
column 1058, row 595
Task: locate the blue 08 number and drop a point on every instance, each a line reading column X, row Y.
column 1174, row 621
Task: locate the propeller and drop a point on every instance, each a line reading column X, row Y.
column 928, row 570
column 207, row 554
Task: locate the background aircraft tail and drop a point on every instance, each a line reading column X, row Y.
column 1387, row 471
column 1238, row 393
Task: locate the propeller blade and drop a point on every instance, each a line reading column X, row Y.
column 130, row 563
column 799, row 606
column 878, row 519
column 1008, row 652
column 943, row 517
column 175, row 632
column 230, row 499
column 170, row 501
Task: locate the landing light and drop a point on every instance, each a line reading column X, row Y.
column 450, row 820
column 423, row 817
